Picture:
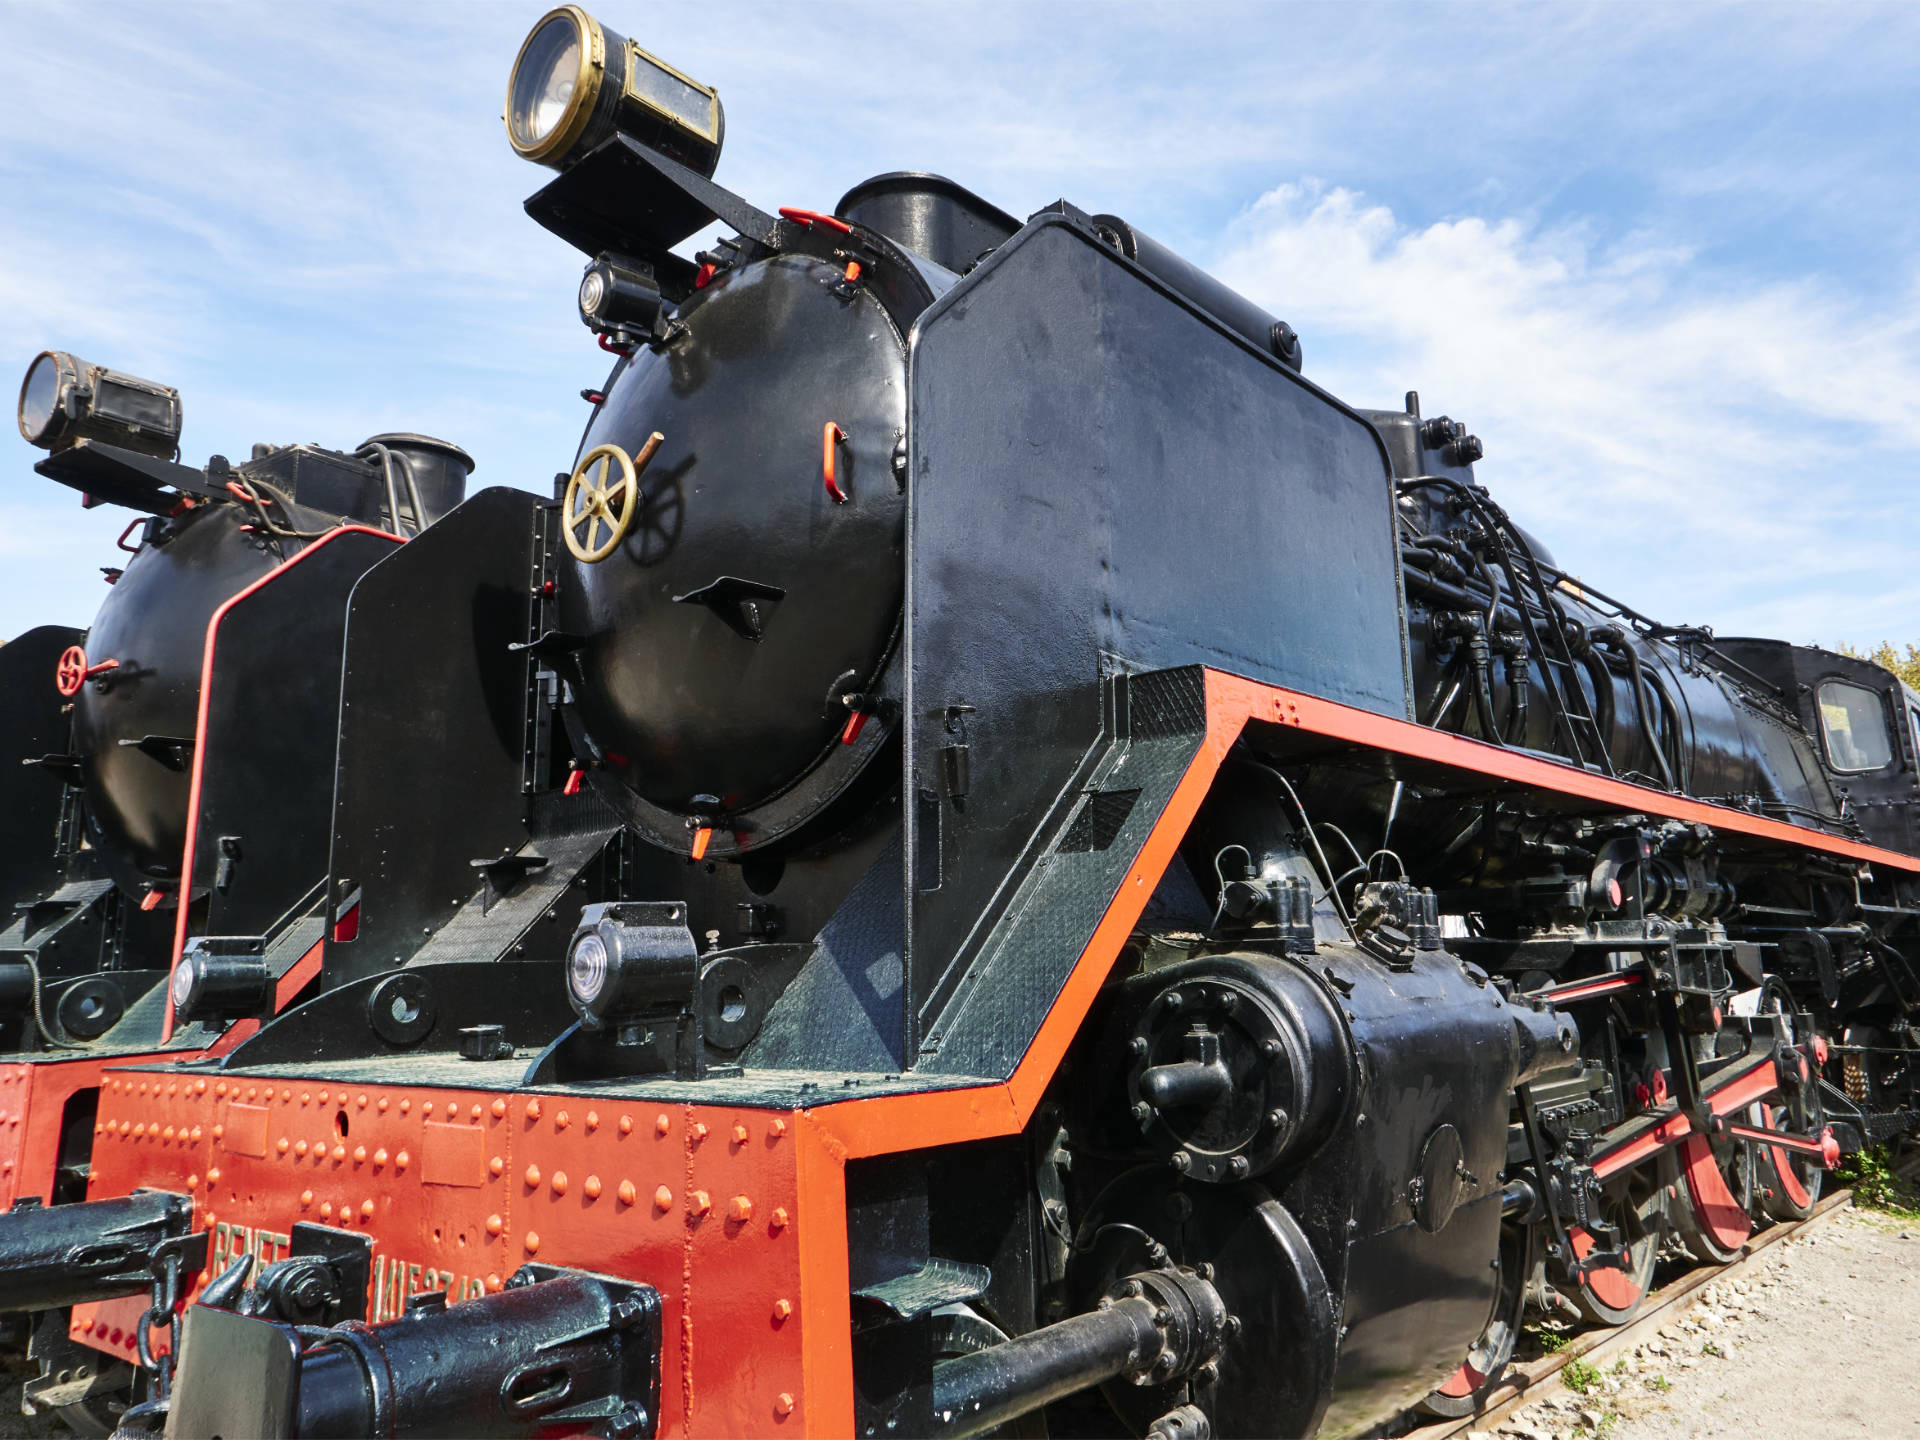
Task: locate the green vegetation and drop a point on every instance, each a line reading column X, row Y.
column 1906, row 665
column 1875, row 1186
column 1549, row 1340
column 1659, row 1383
column 1580, row 1377
column 1714, row 1350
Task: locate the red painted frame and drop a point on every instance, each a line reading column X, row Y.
column 758, row 1313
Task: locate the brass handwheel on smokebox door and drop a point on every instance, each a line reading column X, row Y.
column 599, row 497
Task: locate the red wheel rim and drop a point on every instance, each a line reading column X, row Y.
column 1614, row 1289
column 70, row 673
column 1463, row 1382
column 1785, row 1173
column 1717, row 1213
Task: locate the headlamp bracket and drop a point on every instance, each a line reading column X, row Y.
column 626, row 197
column 126, row 477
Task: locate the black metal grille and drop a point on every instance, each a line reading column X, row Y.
column 1098, row 822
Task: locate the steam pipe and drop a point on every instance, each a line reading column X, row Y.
column 1615, row 639
column 1459, row 597
column 380, row 453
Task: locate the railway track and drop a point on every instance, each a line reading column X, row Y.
column 1537, row 1379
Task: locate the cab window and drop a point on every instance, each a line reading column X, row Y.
column 1854, row 724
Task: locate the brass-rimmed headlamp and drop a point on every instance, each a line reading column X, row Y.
column 575, row 83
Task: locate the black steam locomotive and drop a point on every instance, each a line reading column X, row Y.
column 169, row 771
column 995, row 860
column 177, row 714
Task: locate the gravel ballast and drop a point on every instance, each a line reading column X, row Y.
column 1819, row 1336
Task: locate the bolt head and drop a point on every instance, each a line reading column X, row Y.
column 1182, row 1161
column 1238, row 1167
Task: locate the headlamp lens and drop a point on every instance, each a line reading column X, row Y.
column 181, row 985
column 593, row 289
column 587, row 968
column 37, row 397
column 543, row 81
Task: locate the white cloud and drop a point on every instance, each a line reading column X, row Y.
column 1702, row 445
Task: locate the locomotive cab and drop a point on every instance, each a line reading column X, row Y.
column 1866, row 722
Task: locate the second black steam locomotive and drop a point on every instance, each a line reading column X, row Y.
column 995, row 860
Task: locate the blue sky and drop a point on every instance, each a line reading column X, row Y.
column 1661, row 258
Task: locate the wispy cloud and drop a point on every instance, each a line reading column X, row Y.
column 1660, row 256
column 1726, row 452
